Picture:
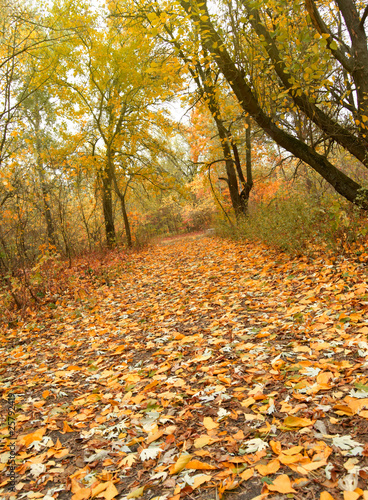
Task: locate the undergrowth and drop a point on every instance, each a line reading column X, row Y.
column 301, row 224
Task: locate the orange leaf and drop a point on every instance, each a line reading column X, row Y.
column 67, row 428
column 282, row 484
column 270, row 468
column 99, row 488
column 326, row 496
column 247, row 474
column 34, row 436
column 292, row 451
column 155, row 436
column 290, row 459
column 209, row 423
column 351, row 495
column 305, row 468
column 110, row 491
column 298, row 422
column 200, row 480
column 82, row 494
column 198, row 465
column 276, row 447
column 62, row 453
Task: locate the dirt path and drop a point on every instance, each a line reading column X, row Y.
column 200, row 367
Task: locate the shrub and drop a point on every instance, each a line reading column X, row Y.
column 300, row 223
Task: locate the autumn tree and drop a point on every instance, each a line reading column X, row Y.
column 198, row 67
column 25, row 36
column 118, row 82
column 314, row 59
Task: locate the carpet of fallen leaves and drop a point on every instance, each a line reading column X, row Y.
column 199, row 369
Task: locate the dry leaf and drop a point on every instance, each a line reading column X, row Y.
column 270, row 468
column 247, row 474
column 30, row 438
column 326, row 496
column 281, row 484
column 298, row 422
column 180, row 463
column 136, row 493
column 197, row 465
column 209, row 423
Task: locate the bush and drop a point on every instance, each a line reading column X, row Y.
column 299, row 223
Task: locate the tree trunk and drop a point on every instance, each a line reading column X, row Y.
column 247, row 184
column 44, row 188
column 128, row 233
column 47, row 209
column 232, row 181
column 121, row 196
column 107, row 206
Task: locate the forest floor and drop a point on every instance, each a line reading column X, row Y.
column 196, row 368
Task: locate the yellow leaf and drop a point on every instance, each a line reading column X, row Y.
column 351, row 463
column 270, row 468
column 200, row 479
column 351, row 495
column 297, row 422
column 209, row 423
column 180, row 463
column 203, row 441
column 66, row 428
column 247, row 474
column 326, row 496
column 111, row 491
column 82, row 494
column 276, row 447
column 128, row 461
column 99, row 488
column 136, row 493
column 281, row 484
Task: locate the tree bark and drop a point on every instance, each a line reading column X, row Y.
column 121, row 197
column 108, row 212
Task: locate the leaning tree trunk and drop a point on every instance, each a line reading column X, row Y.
column 121, row 196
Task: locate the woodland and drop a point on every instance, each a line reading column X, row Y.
column 183, row 249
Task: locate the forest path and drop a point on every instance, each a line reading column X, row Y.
column 191, row 369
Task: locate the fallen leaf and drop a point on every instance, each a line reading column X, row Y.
column 30, row 438
column 298, row 422
column 281, row 484
column 270, row 468
column 180, row 463
column 136, row 493
column 209, row 423
column 198, row 465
